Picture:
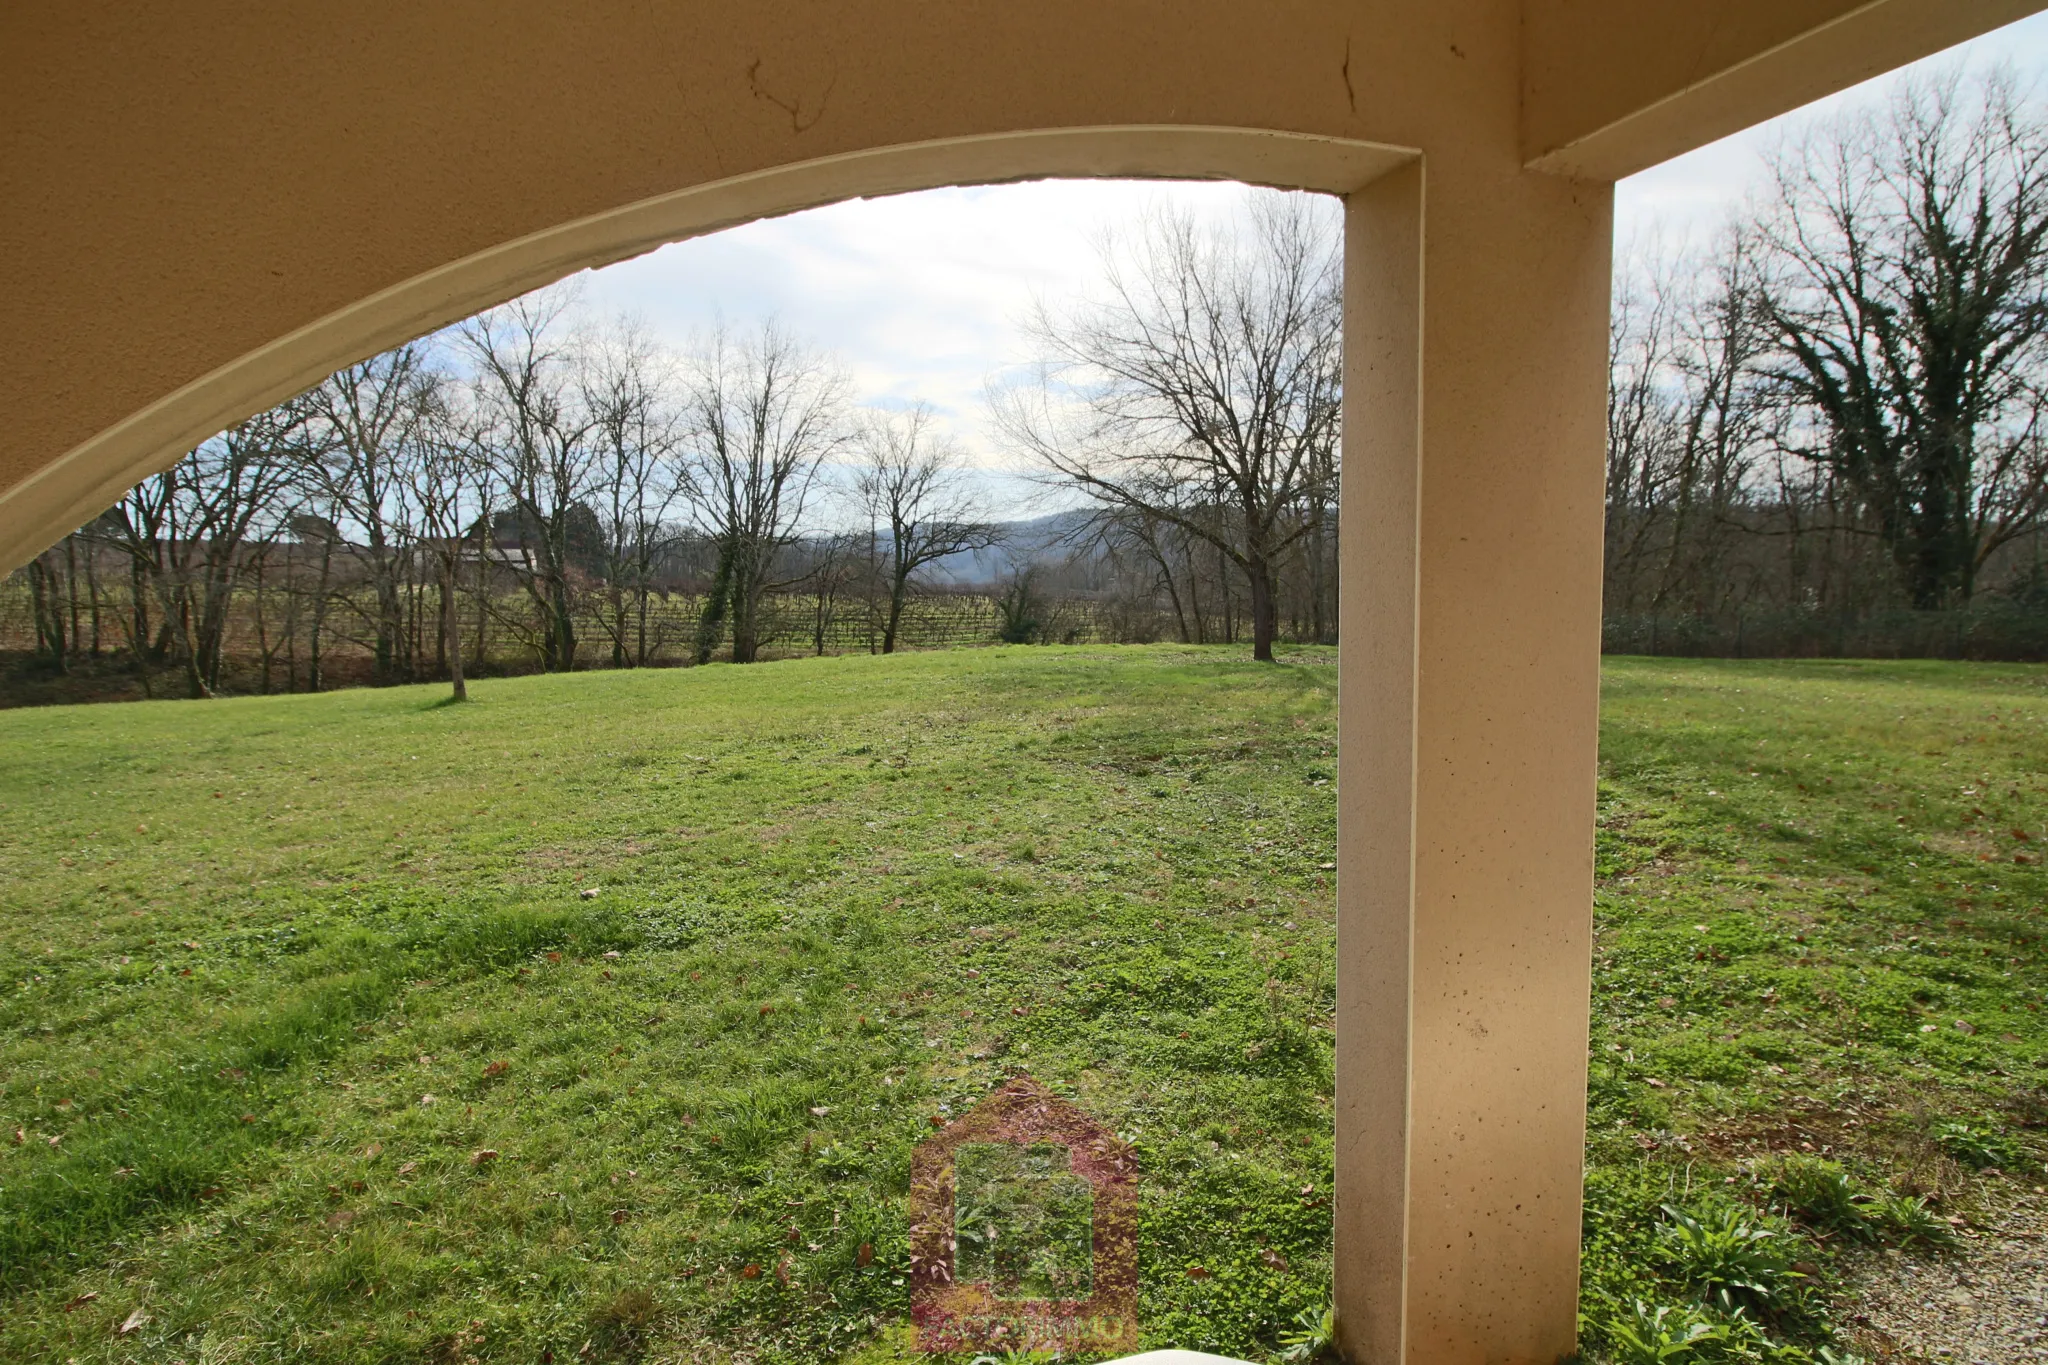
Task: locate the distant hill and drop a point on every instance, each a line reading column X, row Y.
column 1024, row 542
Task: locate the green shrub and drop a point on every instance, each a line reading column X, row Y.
column 1979, row 1145
column 1822, row 1195
column 1313, row 1336
column 1728, row 1258
column 1662, row 1334
column 1907, row 1221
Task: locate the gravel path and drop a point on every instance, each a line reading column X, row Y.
column 1985, row 1304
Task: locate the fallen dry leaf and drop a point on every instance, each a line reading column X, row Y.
column 483, row 1156
column 82, row 1300
column 496, row 1069
column 820, row 1110
column 408, row 1168
column 750, row 1271
column 132, row 1323
column 866, row 1254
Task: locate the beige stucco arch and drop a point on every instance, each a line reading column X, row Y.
column 205, row 206
column 94, row 473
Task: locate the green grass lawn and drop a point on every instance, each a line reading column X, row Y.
column 281, row 972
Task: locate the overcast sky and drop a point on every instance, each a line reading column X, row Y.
column 920, row 294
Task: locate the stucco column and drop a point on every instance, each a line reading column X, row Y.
column 1475, row 380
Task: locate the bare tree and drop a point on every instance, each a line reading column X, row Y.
column 193, row 530
column 46, row 607
column 1906, row 285
column 1202, row 387
column 373, row 415
column 535, row 434
column 838, row 566
column 763, row 415
column 910, row 488
column 629, row 392
column 1688, row 429
column 451, row 491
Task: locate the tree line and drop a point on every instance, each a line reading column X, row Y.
column 526, row 474
column 1829, row 426
column 540, row 480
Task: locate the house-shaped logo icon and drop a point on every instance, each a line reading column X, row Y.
column 1023, row 1225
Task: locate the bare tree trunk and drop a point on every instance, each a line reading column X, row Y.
column 1259, row 575
column 262, row 631
column 897, row 590
column 138, row 606
column 483, row 604
column 48, row 612
column 313, row 678
column 71, row 584
column 640, row 636
column 92, row 589
column 291, row 630
column 451, row 630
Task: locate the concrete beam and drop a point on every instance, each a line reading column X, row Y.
column 1611, row 87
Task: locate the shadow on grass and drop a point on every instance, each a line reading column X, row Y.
column 184, row 1129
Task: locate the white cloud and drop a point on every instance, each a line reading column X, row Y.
column 919, row 294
